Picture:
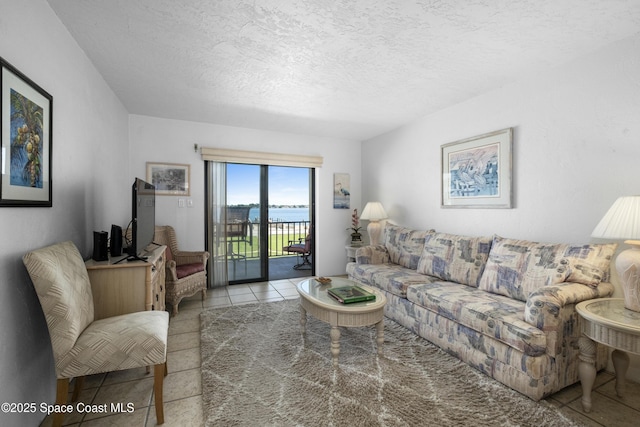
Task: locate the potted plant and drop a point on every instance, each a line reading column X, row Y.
column 356, row 237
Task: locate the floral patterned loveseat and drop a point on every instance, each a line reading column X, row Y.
column 504, row 306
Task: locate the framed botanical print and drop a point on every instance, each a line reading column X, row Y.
column 25, row 133
column 476, row 172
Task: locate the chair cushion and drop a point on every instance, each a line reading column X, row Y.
column 62, row 283
column 185, row 270
column 116, row 343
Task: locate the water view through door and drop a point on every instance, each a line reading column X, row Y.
column 268, row 212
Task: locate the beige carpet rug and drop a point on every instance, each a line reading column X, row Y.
column 258, row 370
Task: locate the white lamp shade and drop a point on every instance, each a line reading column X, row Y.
column 622, row 220
column 373, row 211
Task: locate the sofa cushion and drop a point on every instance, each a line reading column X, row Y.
column 589, row 264
column 392, row 278
column 493, row 315
column 516, row 268
column 455, row 258
column 404, row 245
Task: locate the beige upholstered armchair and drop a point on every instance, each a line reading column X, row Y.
column 82, row 346
column 186, row 272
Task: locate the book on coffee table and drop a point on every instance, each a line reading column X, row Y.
column 349, row 294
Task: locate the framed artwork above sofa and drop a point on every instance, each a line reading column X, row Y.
column 476, row 172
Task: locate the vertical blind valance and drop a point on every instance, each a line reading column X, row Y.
column 259, row 158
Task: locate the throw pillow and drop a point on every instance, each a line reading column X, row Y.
column 516, row 268
column 455, row 258
column 404, row 245
column 589, row 264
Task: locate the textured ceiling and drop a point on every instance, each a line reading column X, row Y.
column 344, row 68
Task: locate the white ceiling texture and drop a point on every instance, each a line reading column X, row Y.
column 341, row 68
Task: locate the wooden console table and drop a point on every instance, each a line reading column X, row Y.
column 127, row 286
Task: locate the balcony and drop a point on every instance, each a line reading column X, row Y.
column 244, row 263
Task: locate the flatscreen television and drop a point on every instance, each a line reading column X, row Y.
column 143, row 217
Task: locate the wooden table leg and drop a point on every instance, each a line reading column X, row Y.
column 303, row 319
column 380, row 335
column 335, row 344
column 587, row 370
column 620, row 361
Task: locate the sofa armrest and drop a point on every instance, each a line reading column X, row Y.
column 552, row 310
column 544, row 304
column 373, row 254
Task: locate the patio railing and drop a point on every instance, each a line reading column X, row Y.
column 280, row 234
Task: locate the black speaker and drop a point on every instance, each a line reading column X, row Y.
column 116, row 241
column 100, row 242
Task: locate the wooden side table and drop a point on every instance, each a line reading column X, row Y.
column 351, row 252
column 606, row 321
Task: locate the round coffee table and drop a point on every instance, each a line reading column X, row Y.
column 315, row 301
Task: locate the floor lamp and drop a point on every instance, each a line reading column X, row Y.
column 622, row 221
column 374, row 212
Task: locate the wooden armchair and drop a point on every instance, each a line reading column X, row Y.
column 84, row 346
column 186, row 271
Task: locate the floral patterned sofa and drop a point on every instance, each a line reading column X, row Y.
column 504, row 306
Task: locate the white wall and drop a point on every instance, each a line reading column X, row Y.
column 576, row 149
column 172, row 141
column 90, row 143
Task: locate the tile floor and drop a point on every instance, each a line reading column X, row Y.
column 182, row 387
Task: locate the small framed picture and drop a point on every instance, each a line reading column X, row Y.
column 25, row 134
column 476, row 172
column 341, row 191
column 170, row 179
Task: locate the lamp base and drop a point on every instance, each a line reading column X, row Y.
column 374, row 229
column 628, row 268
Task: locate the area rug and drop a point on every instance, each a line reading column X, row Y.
column 259, row 370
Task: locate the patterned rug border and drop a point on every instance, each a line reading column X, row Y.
column 288, row 379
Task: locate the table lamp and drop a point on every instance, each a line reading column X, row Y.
column 374, row 212
column 622, row 221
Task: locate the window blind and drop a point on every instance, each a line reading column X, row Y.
column 259, row 158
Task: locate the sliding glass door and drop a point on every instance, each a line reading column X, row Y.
column 268, row 211
column 245, row 237
column 290, row 222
